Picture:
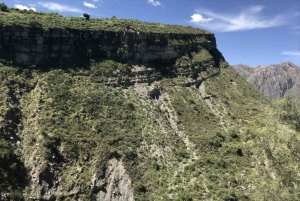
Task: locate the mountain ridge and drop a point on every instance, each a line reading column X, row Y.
column 274, row 81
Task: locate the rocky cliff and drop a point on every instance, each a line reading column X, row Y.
column 274, row 81
column 54, row 47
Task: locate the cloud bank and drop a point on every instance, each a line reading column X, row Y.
column 89, row 5
column 247, row 19
column 59, row 7
column 197, row 18
column 21, row 7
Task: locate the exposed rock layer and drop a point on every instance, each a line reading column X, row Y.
column 35, row 46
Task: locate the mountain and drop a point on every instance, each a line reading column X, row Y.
column 244, row 70
column 89, row 112
column 295, row 90
column 274, row 81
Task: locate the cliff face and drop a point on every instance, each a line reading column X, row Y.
column 36, row 46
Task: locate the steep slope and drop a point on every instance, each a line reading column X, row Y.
column 295, row 90
column 187, row 129
column 81, row 139
column 273, row 81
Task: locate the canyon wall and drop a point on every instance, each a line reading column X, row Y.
column 53, row 47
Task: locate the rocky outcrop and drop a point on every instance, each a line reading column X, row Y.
column 274, row 81
column 55, row 47
column 116, row 186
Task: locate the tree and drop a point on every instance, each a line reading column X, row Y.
column 87, row 16
column 3, row 7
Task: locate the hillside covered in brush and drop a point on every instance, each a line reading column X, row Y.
column 153, row 116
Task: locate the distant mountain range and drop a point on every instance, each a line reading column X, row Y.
column 274, row 81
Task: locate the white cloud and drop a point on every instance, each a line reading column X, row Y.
column 246, row 19
column 21, row 7
column 90, row 5
column 291, row 53
column 200, row 19
column 59, row 7
column 154, row 3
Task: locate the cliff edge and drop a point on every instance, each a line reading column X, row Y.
column 45, row 39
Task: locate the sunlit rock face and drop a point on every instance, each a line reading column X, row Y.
column 274, row 81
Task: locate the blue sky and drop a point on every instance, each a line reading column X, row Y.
column 252, row 32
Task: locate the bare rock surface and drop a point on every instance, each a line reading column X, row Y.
column 244, row 70
column 117, row 186
column 274, row 81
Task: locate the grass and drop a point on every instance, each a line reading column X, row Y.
column 15, row 17
column 72, row 120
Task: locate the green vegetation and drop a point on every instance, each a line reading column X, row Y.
column 15, row 17
column 288, row 110
column 13, row 174
column 199, row 132
column 74, row 120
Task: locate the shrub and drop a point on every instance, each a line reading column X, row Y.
column 35, row 24
column 86, row 16
column 154, row 165
column 288, row 110
column 226, row 195
column 216, row 141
